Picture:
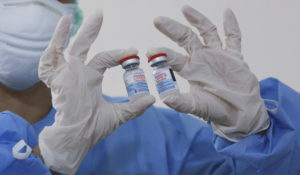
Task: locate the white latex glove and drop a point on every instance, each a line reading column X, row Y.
column 83, row 117
column 222, row 88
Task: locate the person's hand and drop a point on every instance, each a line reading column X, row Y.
column 83, row 117
column 222, row 88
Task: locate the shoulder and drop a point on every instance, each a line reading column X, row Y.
column 272, row 88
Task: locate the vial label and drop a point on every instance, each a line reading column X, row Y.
column 165, row 80
column 136, row 83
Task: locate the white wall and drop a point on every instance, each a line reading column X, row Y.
column 270, row 28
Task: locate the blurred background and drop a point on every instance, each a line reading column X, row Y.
column 270, row 34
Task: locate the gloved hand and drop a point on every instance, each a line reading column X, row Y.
column 83, row 117
column 222, row 88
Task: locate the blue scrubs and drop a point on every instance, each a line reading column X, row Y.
column 163, row 141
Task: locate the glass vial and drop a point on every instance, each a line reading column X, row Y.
column 163, row 75
column 134, row 78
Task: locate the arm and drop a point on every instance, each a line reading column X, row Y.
column 276, row 152
column 226, row 93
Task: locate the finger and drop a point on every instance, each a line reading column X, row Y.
column 179, row 33
column 174, row 59
column 207, row 30
column 232, row 31
column 134, row 109
column 61, row 34
column 52, row 58
column 49, row 64
column 110, row 59
column 180, row 102
column 86, row 36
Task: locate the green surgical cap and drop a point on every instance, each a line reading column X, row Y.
column 78, row 18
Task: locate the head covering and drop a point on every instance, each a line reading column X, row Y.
column 78, row 18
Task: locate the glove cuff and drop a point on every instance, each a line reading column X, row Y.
column 257, row 124
column 63, row 157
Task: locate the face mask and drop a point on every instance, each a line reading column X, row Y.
column 26, row 28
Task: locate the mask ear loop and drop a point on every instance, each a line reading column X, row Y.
column 271, row 105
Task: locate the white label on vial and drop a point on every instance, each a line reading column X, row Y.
column 165, row 80
column 136, row 83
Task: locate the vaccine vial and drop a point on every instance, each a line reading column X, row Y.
column 134, row 78
column 163, row 75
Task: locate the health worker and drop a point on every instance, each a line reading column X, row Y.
column 64, row 124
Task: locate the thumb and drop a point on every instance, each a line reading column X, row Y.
column 175, row 60
column 182, row 102
column 135, row 108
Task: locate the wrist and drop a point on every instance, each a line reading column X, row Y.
column 36, row 151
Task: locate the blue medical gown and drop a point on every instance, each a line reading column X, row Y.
column 13, row 129
column 163, row 141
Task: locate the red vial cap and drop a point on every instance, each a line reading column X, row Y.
column 157, row 55
column 130, row 57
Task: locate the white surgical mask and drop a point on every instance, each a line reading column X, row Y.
column 26, row 28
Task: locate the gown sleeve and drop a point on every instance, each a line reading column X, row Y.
column 278, row 150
